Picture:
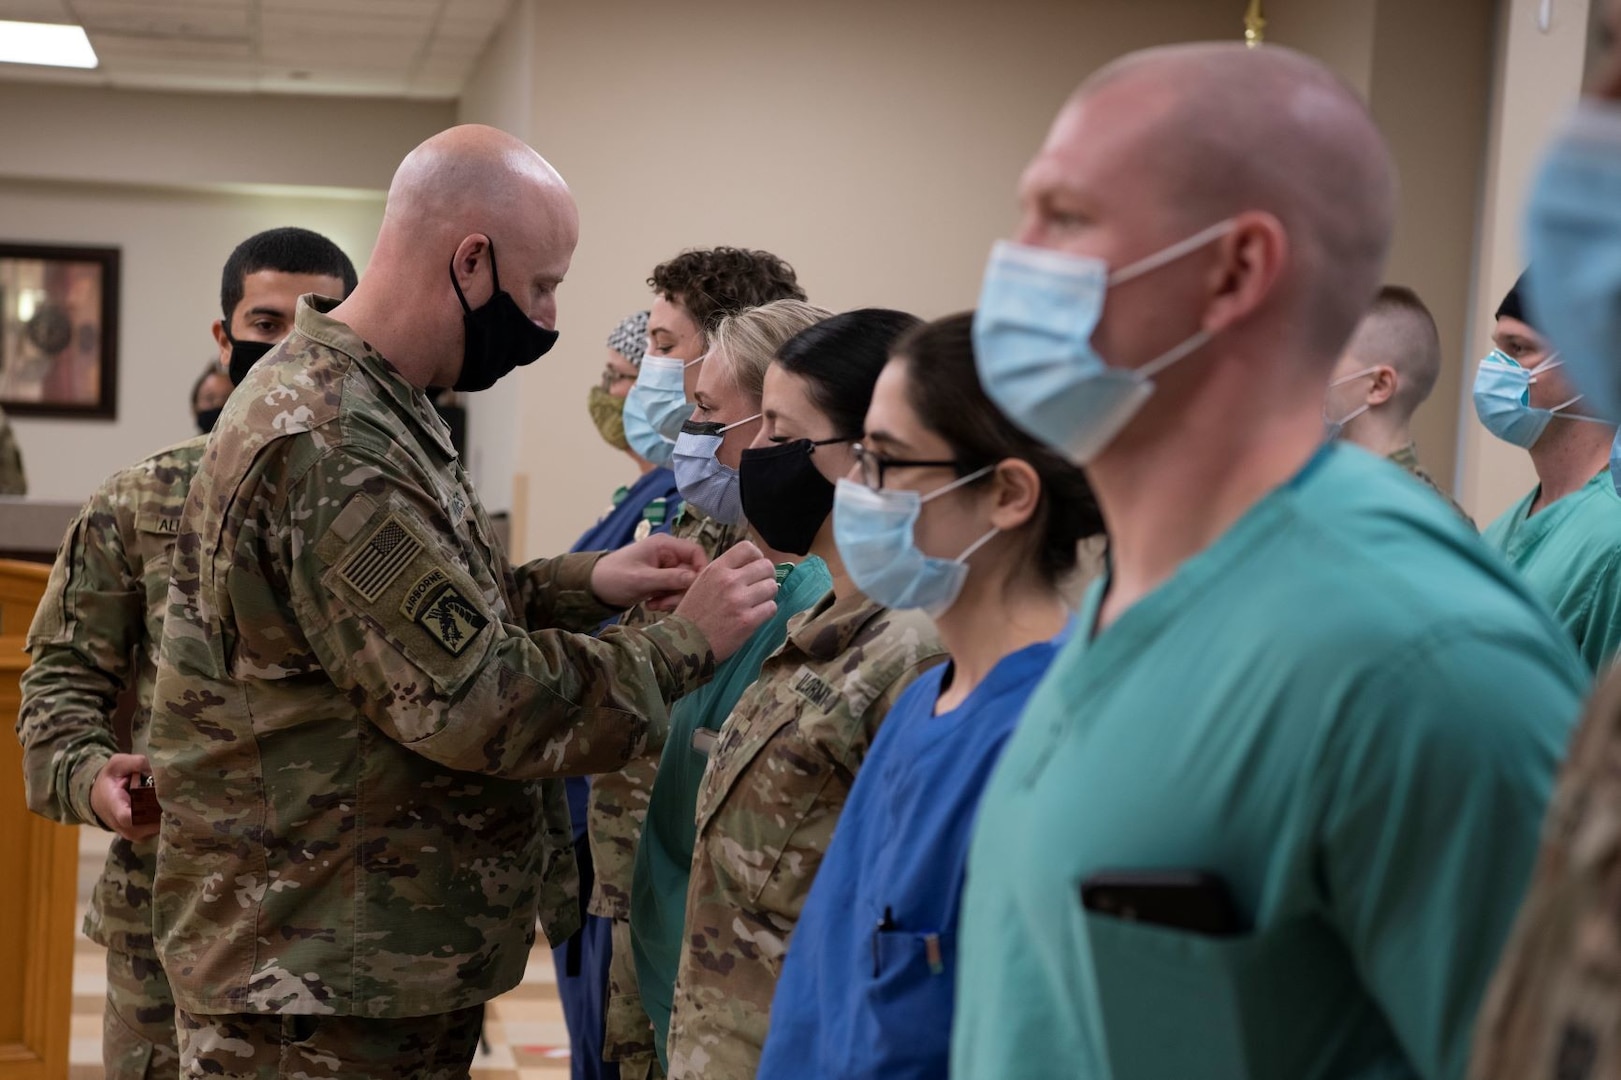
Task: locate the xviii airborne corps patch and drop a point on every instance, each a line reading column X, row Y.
column 436, row 605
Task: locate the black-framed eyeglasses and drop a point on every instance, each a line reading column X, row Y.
column 784, row 440
column 873, row 465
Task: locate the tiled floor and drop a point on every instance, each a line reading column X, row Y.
column 524, row 1028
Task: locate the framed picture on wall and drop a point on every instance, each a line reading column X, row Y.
column 58, row 330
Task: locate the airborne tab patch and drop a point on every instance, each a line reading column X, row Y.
column 381, row 558
column 437, row 606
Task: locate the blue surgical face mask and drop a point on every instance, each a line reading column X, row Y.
column 874, row 531
column 705, row 482
column 657, row 406
column 1503, row 400
column 1033, row 333
column 1573, row 236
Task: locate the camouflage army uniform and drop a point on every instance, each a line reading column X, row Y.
column 1553, row 1010
column 96, row 631
column 1407, row 458
column 781, row 770
column 351, row 713
column 12, row 479
column 617, row 810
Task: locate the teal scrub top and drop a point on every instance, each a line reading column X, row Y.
column 1570, row 555
column 1347, row 708
column 658, row 894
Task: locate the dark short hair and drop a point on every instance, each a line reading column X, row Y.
column 841, row 358
column 713, row 283
column 290, row 250
column 945, row 392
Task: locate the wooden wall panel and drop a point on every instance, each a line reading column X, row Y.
column 38, row 875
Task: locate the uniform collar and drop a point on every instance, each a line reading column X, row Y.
column 1406, row 457
column 830, row 626
column 311, row 320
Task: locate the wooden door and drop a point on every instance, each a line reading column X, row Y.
column 38, row 874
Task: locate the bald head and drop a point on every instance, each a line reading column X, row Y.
column 1212, row 130
column 471, row 211
column 470, row 179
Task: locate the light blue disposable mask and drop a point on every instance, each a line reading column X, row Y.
column 1033, row 333
column 1573, row 236
column 874, row 532
column 704, row 481
column 657, row 406
column 1503, row 400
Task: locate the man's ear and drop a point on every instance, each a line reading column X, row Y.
column 1385, row 384
column 224, row 343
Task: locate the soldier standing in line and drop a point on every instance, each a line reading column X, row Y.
column 97, row 632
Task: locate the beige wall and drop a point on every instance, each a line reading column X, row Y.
column 875, row 150
column 174, row 246
column 176, row 181
column 1538, row 79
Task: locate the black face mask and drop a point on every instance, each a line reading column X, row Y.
column 499, row 336
column 785, row 496
column 207, row 418
column 244, row 354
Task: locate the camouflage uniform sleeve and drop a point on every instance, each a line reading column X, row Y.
column 13, row 481
column 556, row 593
column 412, row 625
column 81, row 641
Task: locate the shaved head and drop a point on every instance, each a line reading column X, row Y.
column 469, row 211
column 1399, row 332
column 473, row 178
column 1219, row 129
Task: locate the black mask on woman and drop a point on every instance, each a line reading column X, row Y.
column 785, row 496
column 499, row 336
column 207, row 418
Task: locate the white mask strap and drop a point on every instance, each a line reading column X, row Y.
column 955, row 484
column 1166, row 359
column 1342, row 380
column 740, row 423
column 977, row 544
column 1172, row 253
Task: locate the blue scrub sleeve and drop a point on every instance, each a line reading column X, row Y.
column 1437, row 780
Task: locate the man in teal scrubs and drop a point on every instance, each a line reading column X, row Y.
column 1565, row 535
column 1303, row 676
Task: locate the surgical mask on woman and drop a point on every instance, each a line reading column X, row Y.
column 1503, row 400
column 657, row 406
column 874, row 529
column 704, row 482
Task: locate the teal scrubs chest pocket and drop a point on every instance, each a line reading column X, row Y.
column 1172, row 1003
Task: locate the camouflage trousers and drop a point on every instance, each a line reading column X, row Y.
column 262, row 1046
column 137, row 1025
column 629, row 1036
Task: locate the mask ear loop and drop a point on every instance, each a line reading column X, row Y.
column 977, row 544
column 495, row 278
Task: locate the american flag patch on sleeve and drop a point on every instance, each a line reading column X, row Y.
column 378, row 561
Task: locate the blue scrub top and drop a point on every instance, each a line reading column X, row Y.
column 866, row 989
column 1347, row 708
column 614, row 530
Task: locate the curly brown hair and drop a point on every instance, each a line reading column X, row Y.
column 713, row 283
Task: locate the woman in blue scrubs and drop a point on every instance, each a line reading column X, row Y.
column 957, row 512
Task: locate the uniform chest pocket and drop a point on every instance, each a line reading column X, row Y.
column 772, row 802
column 1246, row 1007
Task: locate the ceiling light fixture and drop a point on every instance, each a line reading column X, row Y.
column 50, row 44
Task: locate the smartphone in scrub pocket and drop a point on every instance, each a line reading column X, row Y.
column 1195, row 901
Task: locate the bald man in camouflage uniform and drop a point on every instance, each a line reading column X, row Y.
column 355, row 705
column 96, row 632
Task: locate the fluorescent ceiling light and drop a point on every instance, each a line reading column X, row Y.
column 52, row 44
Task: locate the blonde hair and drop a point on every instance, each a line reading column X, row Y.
column 747, row 342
